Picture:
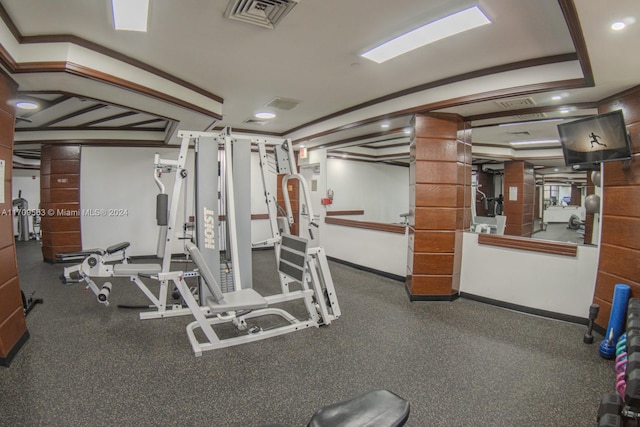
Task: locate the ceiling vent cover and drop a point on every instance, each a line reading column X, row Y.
column 282, row 103
column 264, row 13
column 254, row 121
column 532, row 116
column 516, row 103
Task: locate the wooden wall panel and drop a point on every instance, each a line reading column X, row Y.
column 620, row 216
column 519, row 212
column 437, row 196
column 436, row 218
column 13, row 326
column 433, row 172
column 10, row 297
column 294, row 198
column 60, row 199
column 440, row 189
column 621, row 231
column 434, row 241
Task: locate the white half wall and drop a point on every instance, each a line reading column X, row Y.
column 378, row 250
column 555, row 283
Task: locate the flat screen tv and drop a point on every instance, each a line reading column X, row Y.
column 596, row 139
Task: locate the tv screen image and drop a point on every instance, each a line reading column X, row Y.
column 596, row 139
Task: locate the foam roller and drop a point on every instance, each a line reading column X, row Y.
column 621, row 296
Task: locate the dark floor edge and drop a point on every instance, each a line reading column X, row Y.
column 413, row 298
column 528, row 310
column 6, row 361
column 368, row 269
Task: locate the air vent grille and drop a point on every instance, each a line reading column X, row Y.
column 522, row 133
column 533, row 116
column 282, row 103
column 508, row 104
column 264, row 13
column 254, row 121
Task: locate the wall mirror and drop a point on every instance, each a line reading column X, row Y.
column 368, row 172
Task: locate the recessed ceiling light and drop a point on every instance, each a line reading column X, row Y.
column 27, row 105
column 265, row 115
column 537, row 141
column 556, row 170
column 617, row 26
column 130, row 15
column 407, row 130
column 556, row 97
column 301, row 145
column 384, row 125
column 456, row 23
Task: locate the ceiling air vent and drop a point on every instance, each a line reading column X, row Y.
column 534, row 116
column 523, row 133
column 508, row 104
column 264, row 13
column 254, row 121
column 282, row 103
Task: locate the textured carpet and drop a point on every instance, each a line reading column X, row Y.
column 459, row 363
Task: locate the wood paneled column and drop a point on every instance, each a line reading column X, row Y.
column 13, row 326
column 620, row 215
column 519, row 192
column 440, row 205
column 60, row 200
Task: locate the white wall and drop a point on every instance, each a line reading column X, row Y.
column 379, row 250
column 122, row 178
column 382, row 191
column 555, row 283
column 27, row 181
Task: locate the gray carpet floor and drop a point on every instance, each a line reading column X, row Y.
column 459, row 364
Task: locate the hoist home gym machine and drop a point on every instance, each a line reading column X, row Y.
column 300, row 266
column 222, row 252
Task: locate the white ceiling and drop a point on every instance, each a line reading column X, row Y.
column 313, row 56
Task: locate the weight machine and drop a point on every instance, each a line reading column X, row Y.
column 299, row 265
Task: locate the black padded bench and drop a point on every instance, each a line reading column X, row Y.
column 379, row 408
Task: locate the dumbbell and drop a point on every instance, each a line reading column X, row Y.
column 593, row 313
column 609, row 410
column 633, row 341
column 633, row 321
column 634, row 305
column 610, row 420
column 632, row 390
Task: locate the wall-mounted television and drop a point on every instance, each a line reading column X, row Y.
column 596, row 139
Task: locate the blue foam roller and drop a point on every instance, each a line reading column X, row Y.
column 621, row 294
